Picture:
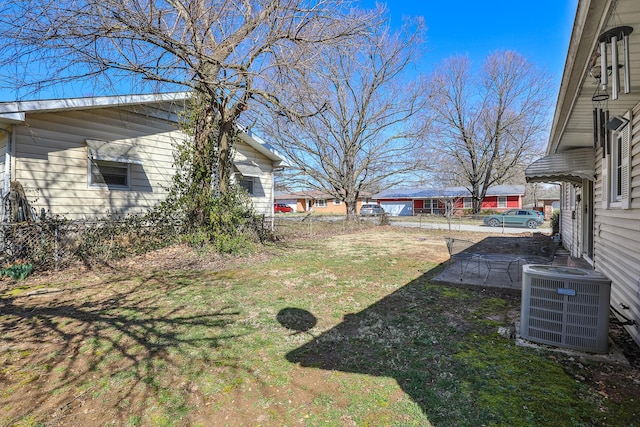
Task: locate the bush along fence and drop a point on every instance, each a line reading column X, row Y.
column 52, row 243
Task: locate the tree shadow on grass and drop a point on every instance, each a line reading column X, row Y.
column 61, row 347
column 409, row 336
column 440, row 344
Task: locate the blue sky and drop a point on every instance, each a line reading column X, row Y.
column 539, row 30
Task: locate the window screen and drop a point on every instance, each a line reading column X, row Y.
column 247, row 184
column 109, row 174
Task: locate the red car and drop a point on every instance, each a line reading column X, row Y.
column 281, row 207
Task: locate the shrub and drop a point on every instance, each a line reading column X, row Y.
column 384, row 219
column 53, row 242
column 555, row 222
column 17, row 271
column 117, row 237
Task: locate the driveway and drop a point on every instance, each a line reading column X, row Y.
column 425, row 223
column 455, row 226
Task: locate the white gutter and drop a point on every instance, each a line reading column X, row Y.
column 8, row 108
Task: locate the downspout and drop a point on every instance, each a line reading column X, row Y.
column 7, row 160
column 560, row 218
column 7, row 169
column 273, row 199
column 273, row 196
column 561, row 190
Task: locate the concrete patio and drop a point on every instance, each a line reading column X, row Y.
column 498, row 263
column 477, row 267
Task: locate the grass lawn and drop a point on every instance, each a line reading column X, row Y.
column 330, row 331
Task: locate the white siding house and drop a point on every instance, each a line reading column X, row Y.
column 91, row 157
column 594, row 149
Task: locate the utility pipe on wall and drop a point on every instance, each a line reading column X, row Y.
column 7, row 159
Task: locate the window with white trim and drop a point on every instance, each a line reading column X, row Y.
column 467, row 203
column 321, row 203
column 109, row 164
column 247, row 184
column 112, row 175
column 337, row 201
column 502, row 202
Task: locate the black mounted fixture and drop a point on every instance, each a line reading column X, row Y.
column 617, row 123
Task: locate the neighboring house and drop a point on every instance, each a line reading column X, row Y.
column 548, row 203
column 317, row 201
column 594, row 149
column 428, row 201
column 91, row 157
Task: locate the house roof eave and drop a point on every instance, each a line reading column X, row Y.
column 88, row 102
column 15, row 112
column 263, row 148
column 591, row 16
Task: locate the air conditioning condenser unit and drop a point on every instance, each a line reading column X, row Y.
column 565, row 307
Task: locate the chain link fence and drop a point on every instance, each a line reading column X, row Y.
column 53, row 244
column 292, row 226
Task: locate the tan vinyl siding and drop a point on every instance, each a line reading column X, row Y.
column 4, row 139
column 567, row 223
column 51, row 161
column 617, row 237
column 263, row 186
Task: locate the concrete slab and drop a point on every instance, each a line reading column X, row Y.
column 488, row 270
column 614, row 355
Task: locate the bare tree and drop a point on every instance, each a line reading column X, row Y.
column 371, row 121
column 491, row 125
column 232, row 54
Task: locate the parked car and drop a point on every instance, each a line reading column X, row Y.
column 371, row 209
column 281, row 207
column 518, row 217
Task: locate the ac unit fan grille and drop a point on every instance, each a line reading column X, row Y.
column 577, row 318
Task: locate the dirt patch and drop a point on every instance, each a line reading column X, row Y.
column 621, row 339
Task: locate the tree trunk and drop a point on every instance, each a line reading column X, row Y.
column 203, row 160
column 476, row 203
column 225, row 145
column 352, row 209
column 213, row 149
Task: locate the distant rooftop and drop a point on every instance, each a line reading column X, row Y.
column 450, row 192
